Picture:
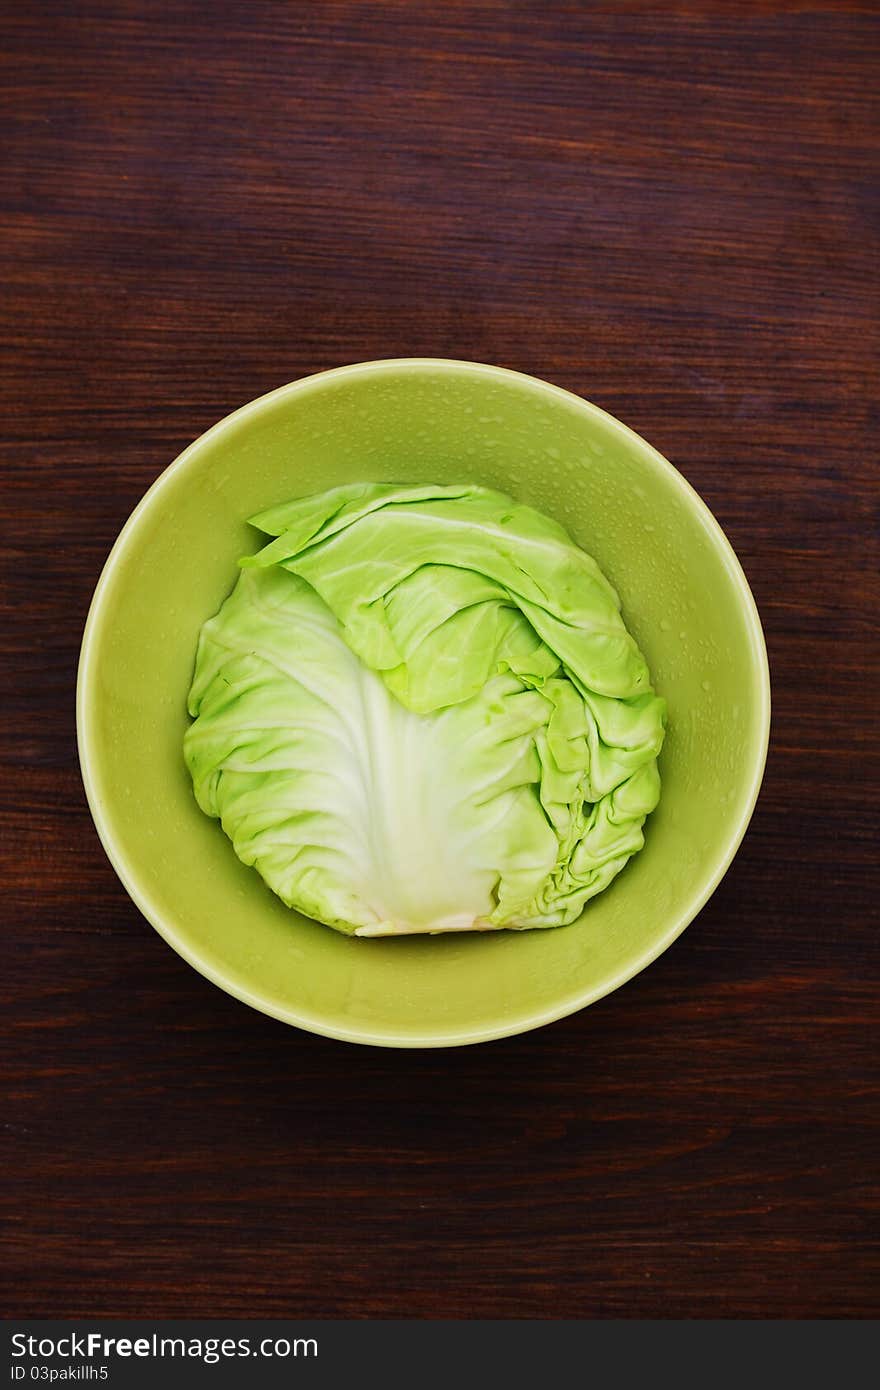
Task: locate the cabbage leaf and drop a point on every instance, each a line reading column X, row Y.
column 420, row 710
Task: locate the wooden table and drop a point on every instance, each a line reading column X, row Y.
column 674, row 216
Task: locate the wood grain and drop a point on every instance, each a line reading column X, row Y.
column 671, row 211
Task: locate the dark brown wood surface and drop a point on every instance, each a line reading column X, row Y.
column 670, row 210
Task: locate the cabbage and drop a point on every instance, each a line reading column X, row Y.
column 419, row 710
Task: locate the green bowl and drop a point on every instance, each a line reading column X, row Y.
column 685, row 599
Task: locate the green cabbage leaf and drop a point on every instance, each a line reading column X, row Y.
column 420, row 710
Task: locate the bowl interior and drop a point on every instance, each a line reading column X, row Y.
column 684, row 599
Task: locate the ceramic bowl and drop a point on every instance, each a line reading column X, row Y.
column 685, row 600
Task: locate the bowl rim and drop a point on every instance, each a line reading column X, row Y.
column 314, row 1023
